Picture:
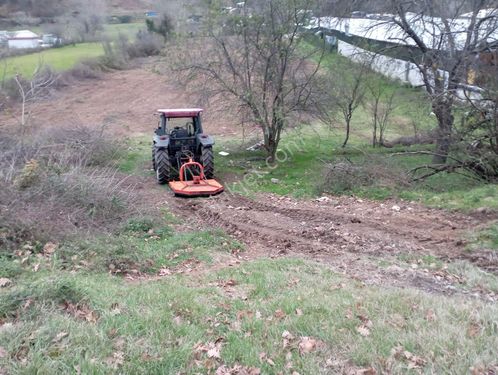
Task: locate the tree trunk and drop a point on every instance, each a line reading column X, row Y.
column 271, row 145
column 375, row 118
column 443, row 110
column 271, row 149
column 374, row 139
column 348, row 127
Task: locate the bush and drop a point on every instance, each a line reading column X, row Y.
column 345, row 176
column 61, row 182
column 146, row 44
column 140, row 225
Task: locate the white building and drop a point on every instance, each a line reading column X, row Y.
column 23, row 39
column 387, row 47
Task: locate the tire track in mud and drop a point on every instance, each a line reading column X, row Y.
column 350, row 236
column 319, row 228
column 351, row 240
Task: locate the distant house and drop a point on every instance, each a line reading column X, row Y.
column 23, row 39
column 151, row 14
column 51, row 40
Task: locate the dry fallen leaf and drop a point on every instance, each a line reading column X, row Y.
column 279, row 314
column 237, row 370
column 349, row 314
column 117, row 360
column 287, row 339
column 212, row 349
column 4, row 282
column 414, row 361
column 49, row 248
column 397, row 321
column 473, row 330
column 244, row 314
column 91, row 316
column 270, row 362
column 363, row 330
column 60, row 336
column 307, row 345
column 361, row 371
column 164, row 272
column 214, row 352
column 430, row 315
column 299, row 312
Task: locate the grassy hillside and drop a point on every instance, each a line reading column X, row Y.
column 102, row 271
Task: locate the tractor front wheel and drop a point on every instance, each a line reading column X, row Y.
column 163, row 166
column 207, row 160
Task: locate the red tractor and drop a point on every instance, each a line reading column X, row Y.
column 182, row 155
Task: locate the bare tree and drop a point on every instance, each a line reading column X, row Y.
column 254, row 57
column 342, row 92
column 88, row 18
column 381, row 106
column 31, row 90
column 446, row 43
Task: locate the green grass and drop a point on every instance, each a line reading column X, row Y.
column 486, row 238
column 101, row 324
column 59, row 59
column 130, row 30
column 301, row 172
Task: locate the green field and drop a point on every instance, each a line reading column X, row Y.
column 128, row 29
column 59, row 59
column 65, row 58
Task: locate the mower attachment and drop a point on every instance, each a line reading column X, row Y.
column 193, row 183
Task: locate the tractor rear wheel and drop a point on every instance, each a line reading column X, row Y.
column 163, row 166
column 207, row 161
column 154, row 157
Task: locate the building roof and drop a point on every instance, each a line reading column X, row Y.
column 23, row 34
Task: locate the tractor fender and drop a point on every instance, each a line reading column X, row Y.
column 161, row 141
column 205, row 140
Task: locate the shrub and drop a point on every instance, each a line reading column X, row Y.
column 142, row 224
column 146, row 44
column 59, row 181
column 375, row 171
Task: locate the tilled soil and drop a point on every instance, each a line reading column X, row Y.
column 352, row 236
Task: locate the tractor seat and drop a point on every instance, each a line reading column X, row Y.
column 179, row 133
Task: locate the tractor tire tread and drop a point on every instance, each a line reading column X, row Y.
column 163, row 166
column 207, row 161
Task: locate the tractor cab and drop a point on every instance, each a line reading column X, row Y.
column 179, row 124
